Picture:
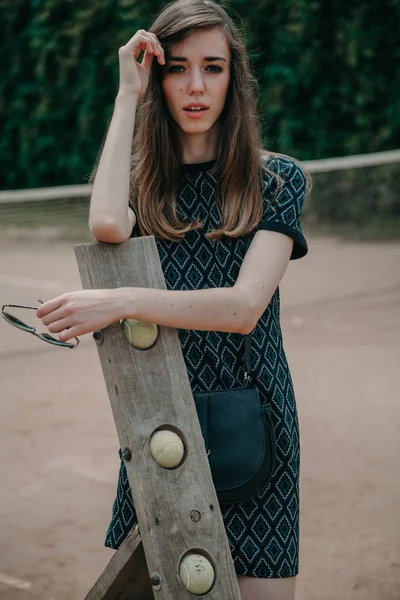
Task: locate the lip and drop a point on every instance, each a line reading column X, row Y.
column 195, row 105
column 196, row 114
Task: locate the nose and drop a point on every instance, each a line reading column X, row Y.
column 196, row 84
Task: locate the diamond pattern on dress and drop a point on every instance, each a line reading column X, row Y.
column 127, row 512
column 236, row 526
column 292, row 550
column 284, row 442
column 248, row 508
column 284, row 569
column 182, row 258
column 207, row 377
column 260, row 528
column 289, row 215
column 275, row 551
column 284, row 485
column 285, row 198
column 292, row 507
column 263, row 532
column 195, row 277
column 240, row 566
column 216, row 276
column 189, row 194
column 283, row 529
column 221, row 254
column 204, row 257
column 263, row 569
column 249, row 549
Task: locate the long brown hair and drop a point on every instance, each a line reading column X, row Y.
column 157, row 152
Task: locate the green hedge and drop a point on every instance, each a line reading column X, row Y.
column 363, row 203
column 328, row 74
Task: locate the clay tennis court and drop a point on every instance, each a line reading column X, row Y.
column 341, row 317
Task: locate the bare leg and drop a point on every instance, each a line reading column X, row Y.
column 253, row 588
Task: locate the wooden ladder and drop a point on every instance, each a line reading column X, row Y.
column 179, row 550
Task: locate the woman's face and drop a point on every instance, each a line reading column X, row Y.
column 196, row 80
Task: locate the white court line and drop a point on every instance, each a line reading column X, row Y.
column 29, row 282
column 18, row 584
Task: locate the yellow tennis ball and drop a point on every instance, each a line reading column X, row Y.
column 139, row 334
column 166, row 448
column 196, row 574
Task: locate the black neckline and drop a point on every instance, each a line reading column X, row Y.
column 198, row 167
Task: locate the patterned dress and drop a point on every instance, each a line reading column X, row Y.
column 263, row 532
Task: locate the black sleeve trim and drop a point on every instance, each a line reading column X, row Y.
column 300, row 247
column 135, row 231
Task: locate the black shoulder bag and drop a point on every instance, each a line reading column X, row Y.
column 239, row 436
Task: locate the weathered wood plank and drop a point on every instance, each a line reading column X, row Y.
column 147, row 390
column 126, row 576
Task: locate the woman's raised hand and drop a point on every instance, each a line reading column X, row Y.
column 134, row 75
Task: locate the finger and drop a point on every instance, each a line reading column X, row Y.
column 143, row 46
column 140, row 41
column 162, row 59
column 54, row 315
column 60, row 325
column 147, row 60
column 126, row 52
column 49, row 306
column 161, row 54
column 153, row 46
column 148, row 56
column 156, row 39
column 140, row 35
column 160, row 50
column 71, row 333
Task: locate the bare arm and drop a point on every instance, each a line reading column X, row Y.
column 110, row 219
column 235, row 309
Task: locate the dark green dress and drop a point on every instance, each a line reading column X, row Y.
column 263, row 532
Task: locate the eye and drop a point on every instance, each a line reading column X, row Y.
column 214, row 69
column 175, row 69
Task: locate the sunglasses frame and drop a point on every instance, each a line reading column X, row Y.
column 45, row 337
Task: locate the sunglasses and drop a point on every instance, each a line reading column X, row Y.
column 45, row 337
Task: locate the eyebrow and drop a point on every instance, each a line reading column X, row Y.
column 206, row 58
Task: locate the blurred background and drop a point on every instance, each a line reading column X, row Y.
column 329, row 83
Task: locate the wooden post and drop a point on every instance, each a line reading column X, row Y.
column 177, row 509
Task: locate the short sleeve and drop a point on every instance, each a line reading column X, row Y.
column 282, row 212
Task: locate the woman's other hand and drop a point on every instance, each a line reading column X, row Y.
column 134, row 75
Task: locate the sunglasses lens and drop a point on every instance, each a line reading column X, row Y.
column 46, row 337
column 52, row 340
column 17, row 323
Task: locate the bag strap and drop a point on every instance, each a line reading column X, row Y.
column 247, row 354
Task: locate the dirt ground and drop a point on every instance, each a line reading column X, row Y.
column 341, row 318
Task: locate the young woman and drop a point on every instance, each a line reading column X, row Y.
column 225, row 216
